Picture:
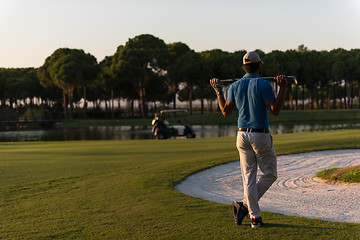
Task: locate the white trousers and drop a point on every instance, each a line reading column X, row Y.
column 256, row 149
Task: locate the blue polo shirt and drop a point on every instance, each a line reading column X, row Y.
column 249, row 94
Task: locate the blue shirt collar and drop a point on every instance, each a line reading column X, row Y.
column 251, row 75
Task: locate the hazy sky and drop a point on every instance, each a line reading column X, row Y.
column 31, row 30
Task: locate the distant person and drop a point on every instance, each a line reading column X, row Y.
column 253, row 96
column 159, row 122
column 155, row 122
column 165, row 122
column 156, row 118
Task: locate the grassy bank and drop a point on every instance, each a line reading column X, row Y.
column 215, row 118
column 124, row 190
column 350, row 174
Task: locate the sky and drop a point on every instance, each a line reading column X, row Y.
column 31, row 30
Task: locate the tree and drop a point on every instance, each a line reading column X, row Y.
column 304, row 74
column 142, row 56
column 355, row 55
column 120, row 78
column 68, row 69
column 292, row 68
column 223, row 64
column 322, row 74
column 158, row 89
column 18, row 85
column 90, row 69
column 191, row 70
column 3, row 73
column 176, row 50
column 343, row 69
column 15, row 85
column 275, row 64
column 107, row 81
column 302, row 48
column 315, row 76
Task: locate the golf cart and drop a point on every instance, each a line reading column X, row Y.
column 162, row 129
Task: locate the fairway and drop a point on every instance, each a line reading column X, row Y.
column 124, row 190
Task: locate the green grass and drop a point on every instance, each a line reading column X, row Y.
column 124, row 190
column 215, row 118
column 350, row 174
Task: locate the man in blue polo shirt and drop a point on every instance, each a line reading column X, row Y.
column 253, row 97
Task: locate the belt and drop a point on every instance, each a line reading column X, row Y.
column 253, row 130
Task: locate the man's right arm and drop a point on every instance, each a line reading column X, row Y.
column 225, row 106
column 275, row 105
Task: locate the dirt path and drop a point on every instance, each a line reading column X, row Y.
column 296, row 191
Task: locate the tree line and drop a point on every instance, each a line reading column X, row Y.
column 149, row 71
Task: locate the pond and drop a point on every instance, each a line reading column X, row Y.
column 144, row 132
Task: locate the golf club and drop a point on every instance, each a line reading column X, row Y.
column 266, row 78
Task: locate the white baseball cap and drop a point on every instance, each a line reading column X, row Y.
column 251, row 57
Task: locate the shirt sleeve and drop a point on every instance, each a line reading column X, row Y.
column 231, row 96
column 268, row 91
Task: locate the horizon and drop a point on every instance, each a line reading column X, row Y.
column 35, row 67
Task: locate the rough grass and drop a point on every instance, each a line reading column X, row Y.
column 349, row 174
column 125, row 190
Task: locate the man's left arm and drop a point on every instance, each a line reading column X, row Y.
column 277, row 104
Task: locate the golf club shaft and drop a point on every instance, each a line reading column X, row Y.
column 266, row 78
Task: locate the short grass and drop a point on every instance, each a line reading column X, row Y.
column 215, row 118
column 125, row 190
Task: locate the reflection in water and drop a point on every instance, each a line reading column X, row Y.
column 296, row 128
column 144, row 132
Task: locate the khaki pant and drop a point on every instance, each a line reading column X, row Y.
column 256, row 149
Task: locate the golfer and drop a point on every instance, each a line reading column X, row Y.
column 253, row 97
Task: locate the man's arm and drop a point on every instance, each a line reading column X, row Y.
column 226, row 107
column 277, row 104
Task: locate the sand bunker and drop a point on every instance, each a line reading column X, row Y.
column 295, row 192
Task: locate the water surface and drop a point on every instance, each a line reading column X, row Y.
column 144, row 132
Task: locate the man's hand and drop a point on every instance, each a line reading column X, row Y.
column 282, row 80
column 226, row 106
column 277, row 104
column 216, row 84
